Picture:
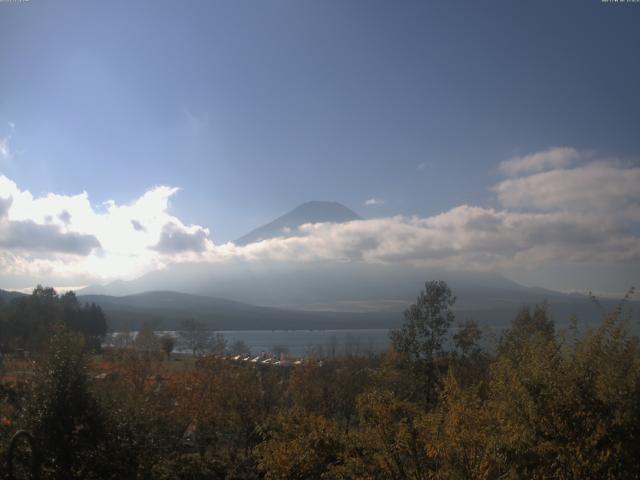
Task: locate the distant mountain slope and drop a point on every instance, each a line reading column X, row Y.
column 489, row 299
column 318, row 293
column 309, row 212
column 321, row 294
column 167, row 309
column 319, row 285
column 7, row 296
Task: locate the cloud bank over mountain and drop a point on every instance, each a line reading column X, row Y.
column 556, row 206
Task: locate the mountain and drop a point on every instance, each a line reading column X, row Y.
column 309, row 212
column 487, row 298
column 330, row 288
column 7, row 296
column 325, row 285
column 165, row 310
column 299, row 295
column 117, row 287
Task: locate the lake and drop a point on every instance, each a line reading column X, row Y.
column 300, row 343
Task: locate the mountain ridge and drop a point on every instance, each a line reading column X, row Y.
column 166, row 309
column 309, row 212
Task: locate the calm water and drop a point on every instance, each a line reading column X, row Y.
column 300, row 343
column 305, row 342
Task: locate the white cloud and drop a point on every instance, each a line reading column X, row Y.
column 553, row 158
column 66, row 236
column 422, row 166
column 176, row 239
column 4, row 148
column 603, row 188
column 585, row 214
column 464, row 237
column 374, row 201
column 5, row 151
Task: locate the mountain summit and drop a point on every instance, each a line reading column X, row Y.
column 309, row 212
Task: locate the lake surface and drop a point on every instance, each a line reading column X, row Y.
column 305, row 342
column 301, row 343
column 326, row 343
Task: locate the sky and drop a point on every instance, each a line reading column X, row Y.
column 492, row 135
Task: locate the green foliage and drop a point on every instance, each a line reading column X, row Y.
column 167, row 344
column 467, row 337
column 62, row 413
column 188, row 467
column 567, row 412
column 87, row 319
column 421, row 338
column 460, row 432
column 196, row 336
column 146, row 340
column 527, row 327
column 26, row 323
column 541, row 406
column 426, row 323
column 239, row 348
column 330, row 389
column 389, row 442
column 300, row 447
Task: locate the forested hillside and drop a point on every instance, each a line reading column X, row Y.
column 547, row 403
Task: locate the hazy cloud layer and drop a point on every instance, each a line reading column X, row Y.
column 597, row 187
column 67, row 237
column 464, row 237
column 555, row 207
column 176, row 239
column 28, row 236
column 553, row 158
column 5, row 203
column 31, row 237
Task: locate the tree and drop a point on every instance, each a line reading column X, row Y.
column 88, row 319
column 32, row 317
column 278, row 350
column 122, row 339
column 239, row 347
column 28, row 321
column 95, row 327
column 471, row 365
column 300, row 446
column 167, row 343
column 568, row 412
column 195, row 336
column 525, row 327
column 63, row 414
column 217, row 343
column 388, row 443
column 188, row 467
column 426, row 323
column 460, row 432
column 147, row 340
column 421, row 337
column 467, row 338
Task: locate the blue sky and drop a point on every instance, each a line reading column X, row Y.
column 252, row 107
